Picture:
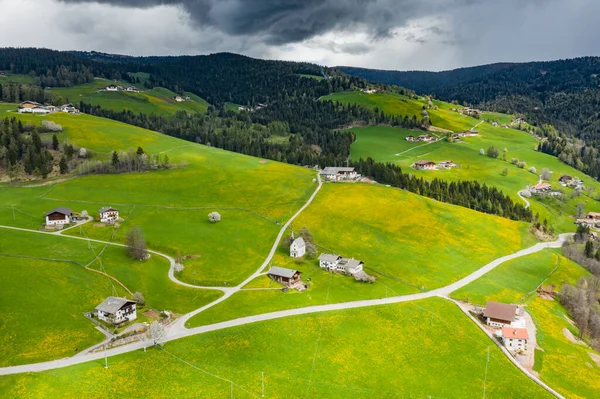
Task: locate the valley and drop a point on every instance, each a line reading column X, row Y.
column 229, row 324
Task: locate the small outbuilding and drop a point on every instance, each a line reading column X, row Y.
column 59, row 216
column 284, row 276
column 116, row 310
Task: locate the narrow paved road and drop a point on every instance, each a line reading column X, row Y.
column 178, row 330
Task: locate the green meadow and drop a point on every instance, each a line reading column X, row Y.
column 59, row 291
column 359, row 353
column 387, row 144
column 18, row 79
column 157, row 101
column 415, row 240
column 515, row 281
column 390, row 103
column 42, row 305
column 556, row 357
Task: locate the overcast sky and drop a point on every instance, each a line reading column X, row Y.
column 384, row 34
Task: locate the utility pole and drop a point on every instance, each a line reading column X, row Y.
column 263, row 384
column 105, row 358
column 486, row 369
column 231, row 389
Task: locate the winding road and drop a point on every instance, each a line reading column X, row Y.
column 177, row 329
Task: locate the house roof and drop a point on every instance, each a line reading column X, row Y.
column 500, row 311
column 282, row 272
column 107, row 209
column 329, row 257
column 593, row 215
column 541, row 186
column 517, row 333
column 60, row 209
column 299, row 242
column 113, row 303
column 565, row 177
column 446, row 162
column 351, row 263
column 333, row 170
column 424, row 162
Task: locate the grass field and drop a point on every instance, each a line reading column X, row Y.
column 171, row 206
column 42, row 305
column 516, row 281
column 19, row 79
column 387, row 144
column 45, row 294
column 390, row 103
column 513, row 282
column 315, row 77
column 360, row 353
column 157, row 101
column 410, row 238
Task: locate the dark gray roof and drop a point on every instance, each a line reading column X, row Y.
column 329, row 257
column 60, row 209
column 282, row 272
column 106, row 209
column 111, row 304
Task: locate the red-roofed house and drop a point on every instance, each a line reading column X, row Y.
column 515, row 338
column 540, row 188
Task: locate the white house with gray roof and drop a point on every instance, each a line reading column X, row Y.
column 116, row 310
column 339, row 264
column 339, row 173
column 108, row 214
column 298, row 248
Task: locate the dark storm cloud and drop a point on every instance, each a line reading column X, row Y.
column 289, row 21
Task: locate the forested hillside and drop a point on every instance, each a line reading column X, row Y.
column 564, row 94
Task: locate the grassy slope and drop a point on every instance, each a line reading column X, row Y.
column 42, row 305
column 266, row 191
column 389, row 103
column 156, row 101
column 407, row 240
column 513, row 282
column 406, row 236
column 19, row 79
column 384, row 143
column 387, row 352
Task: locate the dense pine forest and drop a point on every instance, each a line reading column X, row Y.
column 23, row 148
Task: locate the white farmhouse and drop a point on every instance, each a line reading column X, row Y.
column 132, row 89
column 298, row 248
column 328, row 261
column 31, row 107
column 111, row 88
column 58, row 216
column 515, row 338
column 179, row 99
column 339, row 264
column 116, row 310
column 108, row 214
column 339, row 173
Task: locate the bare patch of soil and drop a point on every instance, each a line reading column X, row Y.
column 263, row 161
column 99, row 225
column 595, row 357
column 195, row 256
column 570, row 336
column 153, row 314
